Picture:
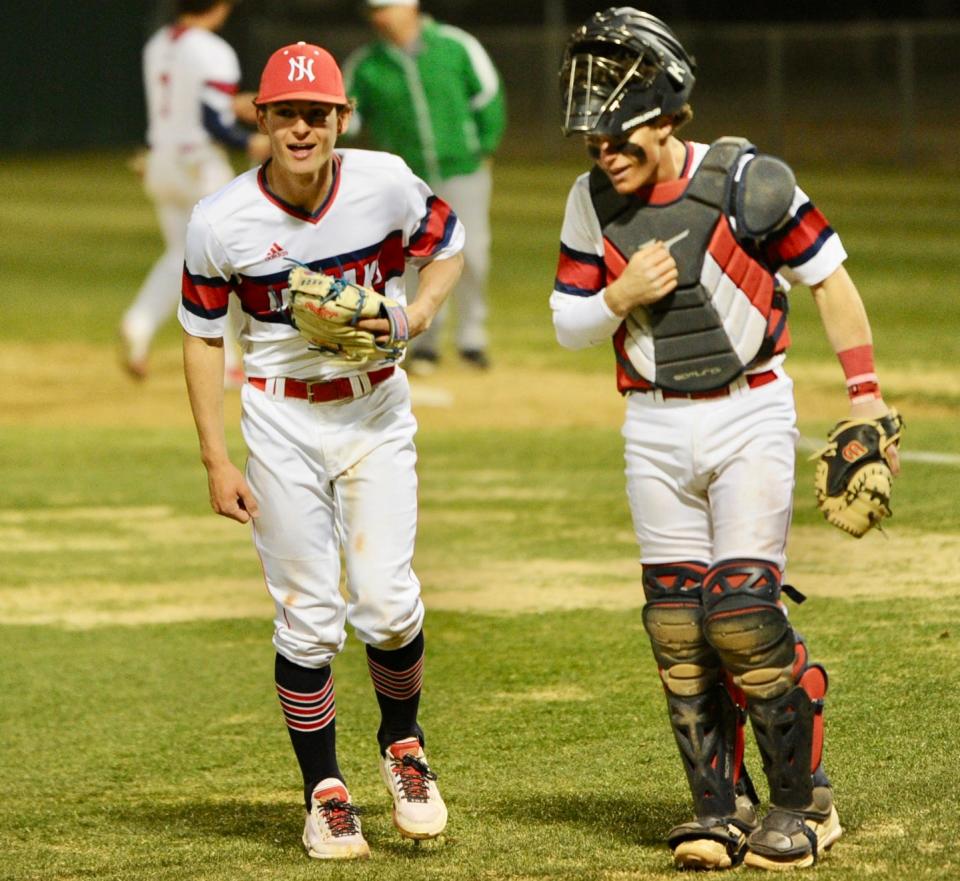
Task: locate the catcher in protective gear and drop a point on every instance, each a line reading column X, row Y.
column 710, row 519
column 327, row 311
column 854, row 476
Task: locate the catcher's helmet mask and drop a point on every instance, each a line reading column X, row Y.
column 621, row 69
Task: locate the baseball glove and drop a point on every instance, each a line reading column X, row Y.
column 326, row 310
column 853, row 479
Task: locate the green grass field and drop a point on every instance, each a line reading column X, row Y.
column 140, row 729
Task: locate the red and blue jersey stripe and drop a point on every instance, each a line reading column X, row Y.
column 799, row 240
column 435, row 230
column 578, row 273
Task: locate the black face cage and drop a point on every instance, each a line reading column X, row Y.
column 596, row 78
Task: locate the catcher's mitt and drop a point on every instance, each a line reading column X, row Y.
column 853, row 479
column 326, row 310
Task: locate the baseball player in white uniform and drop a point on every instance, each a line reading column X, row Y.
column 681, row 253
column 191, row 77
column 331, row 464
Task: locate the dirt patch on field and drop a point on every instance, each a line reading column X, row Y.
column 63, row 530
column 103, row 604
column 823, row 562
column 82, row 385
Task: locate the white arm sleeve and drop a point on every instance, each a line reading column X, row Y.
column 581, row 322
column 581, row 316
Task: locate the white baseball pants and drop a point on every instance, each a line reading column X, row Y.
column 712, row 479
column 334, row 477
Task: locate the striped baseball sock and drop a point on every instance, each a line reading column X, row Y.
column 397, row 677
column 309, row 708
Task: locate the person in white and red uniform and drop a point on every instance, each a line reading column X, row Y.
column 682, row 254
column 331, row 464
column 191, row 78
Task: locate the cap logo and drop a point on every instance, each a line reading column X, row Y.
column 301, row 68
column 675, row 69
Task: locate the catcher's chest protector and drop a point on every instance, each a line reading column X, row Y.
column 699, row 337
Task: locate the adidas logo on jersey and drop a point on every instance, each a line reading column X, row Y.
column 275, row 251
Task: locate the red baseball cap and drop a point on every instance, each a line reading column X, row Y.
column 301, row 72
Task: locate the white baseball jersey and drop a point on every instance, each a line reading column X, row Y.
column 378, row 217
column 185, row 70
column 709, row 477
column 330, row 477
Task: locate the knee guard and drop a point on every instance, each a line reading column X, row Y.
column 789, row 732
column 744, row 622
column 673, row 618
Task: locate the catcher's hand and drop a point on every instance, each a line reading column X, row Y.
column 853, row 478
column 326, row 311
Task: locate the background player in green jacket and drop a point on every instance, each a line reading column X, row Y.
column 430, row 93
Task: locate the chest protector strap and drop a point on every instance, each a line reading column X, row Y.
column 681, row 343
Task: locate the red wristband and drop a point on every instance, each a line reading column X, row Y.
column 862, row 382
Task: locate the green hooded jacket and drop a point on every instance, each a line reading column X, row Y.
column 441, row 107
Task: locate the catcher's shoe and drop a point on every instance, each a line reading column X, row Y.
column 332, row 830
column 795, row 839
column 714, row 842
column 418, row 809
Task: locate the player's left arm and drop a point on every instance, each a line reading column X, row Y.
column 847, row 327
column 437, row 279
column 434, row 242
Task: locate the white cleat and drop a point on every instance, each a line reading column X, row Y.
column 418, row 809
column 332, row 830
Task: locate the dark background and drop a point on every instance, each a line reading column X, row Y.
column 72, row 79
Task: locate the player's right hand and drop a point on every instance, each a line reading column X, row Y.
column 230, row 496
column 650, row 274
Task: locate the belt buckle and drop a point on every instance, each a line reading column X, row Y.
column 310, row 387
